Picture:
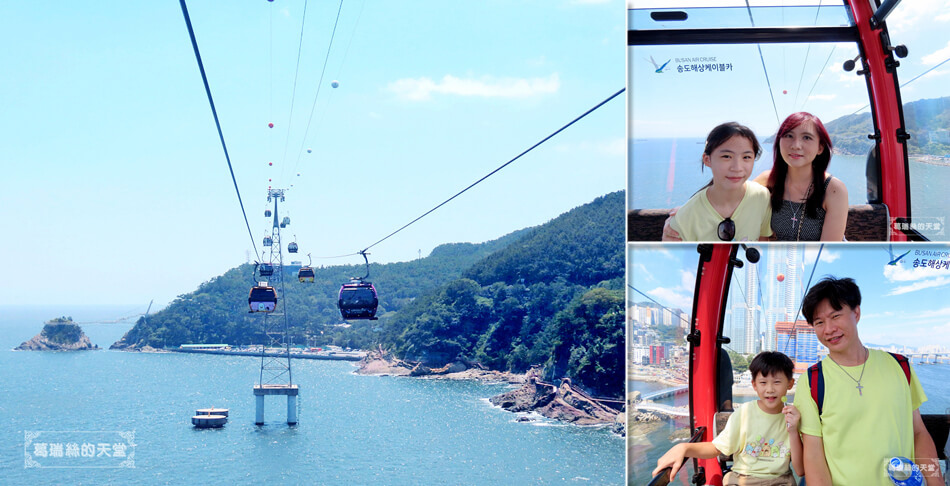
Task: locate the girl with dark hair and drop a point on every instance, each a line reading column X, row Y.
column 730, row 207
column 808, row 204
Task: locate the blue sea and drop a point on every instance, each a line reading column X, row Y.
column 647, row 448
column 352, row 429
column 665, row 173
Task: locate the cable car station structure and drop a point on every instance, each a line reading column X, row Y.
column 276, row 377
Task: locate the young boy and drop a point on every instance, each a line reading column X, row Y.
column 762, row 436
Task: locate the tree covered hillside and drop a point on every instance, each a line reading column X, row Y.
column 551, row 295
column 553, row 298
column 927, row 123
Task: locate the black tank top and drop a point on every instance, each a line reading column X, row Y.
column 786, row 229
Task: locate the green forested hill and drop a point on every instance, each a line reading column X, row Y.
column 927, row 122
column 551, row 295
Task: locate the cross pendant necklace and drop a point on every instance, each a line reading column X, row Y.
column 867, row 354
column 794, row 221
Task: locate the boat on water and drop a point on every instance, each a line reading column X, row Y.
column 693, row 65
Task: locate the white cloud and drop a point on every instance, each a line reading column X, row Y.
column 937, row 56
column 924, row 284
column 687, row 281
column 827, row 256
column 904, row 271
column 673, row 298
column 642, row 273
column 421, row 89
column 905, row 19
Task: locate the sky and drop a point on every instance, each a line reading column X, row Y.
column 116, row 190
column 804, row 77
column 901, row 304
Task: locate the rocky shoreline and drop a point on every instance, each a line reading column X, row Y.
column 560, row 402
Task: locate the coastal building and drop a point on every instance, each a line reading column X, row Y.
column 640, row 355
column 797, row 340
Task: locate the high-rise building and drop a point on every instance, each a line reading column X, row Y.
column 798, row 341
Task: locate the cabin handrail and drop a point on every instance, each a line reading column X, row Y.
column 866, row 222
column 663, row 477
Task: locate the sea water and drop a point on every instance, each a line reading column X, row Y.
column 352, row 429
column 665, row 173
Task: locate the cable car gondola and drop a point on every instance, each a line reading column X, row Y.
column 358, row 298
column 292, row 247
column 266, row 270
column 262, row 298
column 305, row 274
column 267, row 213
column 268, row 241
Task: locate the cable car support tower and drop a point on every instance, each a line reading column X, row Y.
column 276, row 377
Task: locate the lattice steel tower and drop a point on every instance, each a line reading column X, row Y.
column 276, row 377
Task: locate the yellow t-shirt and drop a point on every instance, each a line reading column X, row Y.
column 697, row 220
column 860, row 432
column 758, row 442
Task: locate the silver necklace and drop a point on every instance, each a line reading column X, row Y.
column 867, row 354
column 795, row 222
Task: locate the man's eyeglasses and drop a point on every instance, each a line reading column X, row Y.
column 727, row 230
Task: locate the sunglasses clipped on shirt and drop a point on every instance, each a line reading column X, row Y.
column 727, row 230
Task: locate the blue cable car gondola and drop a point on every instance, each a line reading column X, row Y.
column 268, row 241
column 267, row 213
column 266, row 270
column 262, row 298
column 292, row 247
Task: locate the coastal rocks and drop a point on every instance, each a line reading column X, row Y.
column 382, row 363
column 564, row 403
column 59, row 334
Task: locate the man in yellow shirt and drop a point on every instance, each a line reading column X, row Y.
column 869, row 413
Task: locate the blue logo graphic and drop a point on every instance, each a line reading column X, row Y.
column 659, row 69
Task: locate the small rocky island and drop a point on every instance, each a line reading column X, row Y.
column 59, row 334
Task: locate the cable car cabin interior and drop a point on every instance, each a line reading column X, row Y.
column 710, row 373
column 305, row 274
column 358, row 300
column 262, row 298
column 690, row 69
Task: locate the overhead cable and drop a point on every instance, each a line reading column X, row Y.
column 214, row 112
column 545, row 139
column 293, row 95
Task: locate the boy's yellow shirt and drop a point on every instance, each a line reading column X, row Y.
column 757, row 441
